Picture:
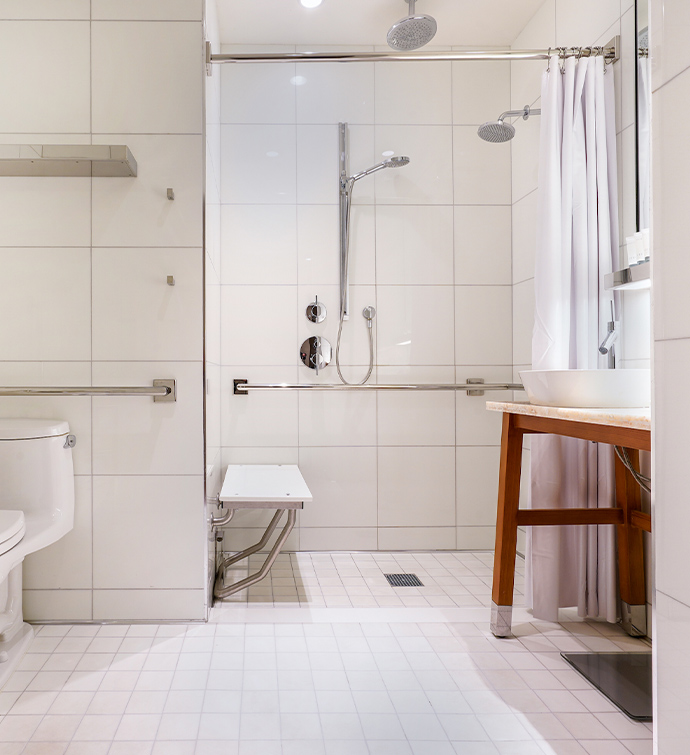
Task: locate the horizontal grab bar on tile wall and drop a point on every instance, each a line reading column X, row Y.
column 474, row 387
column 162, row 390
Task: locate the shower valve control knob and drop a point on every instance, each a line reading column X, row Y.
column 315, row 353
column 316, row 311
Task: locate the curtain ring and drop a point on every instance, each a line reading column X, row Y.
column 548, row 55
column 580, row 50
column 562, row 51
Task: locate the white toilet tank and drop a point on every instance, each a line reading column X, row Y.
column 37, row 477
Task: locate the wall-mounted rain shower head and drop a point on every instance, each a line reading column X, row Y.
column 391, row 162
column 499, row 131
column 411, row 32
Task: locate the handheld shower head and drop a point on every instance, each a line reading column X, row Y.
column 411, row 32
column 391, row 162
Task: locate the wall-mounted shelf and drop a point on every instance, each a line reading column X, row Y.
column 101, row 160
column 629, row 279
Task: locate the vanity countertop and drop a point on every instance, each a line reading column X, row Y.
column 629, row 417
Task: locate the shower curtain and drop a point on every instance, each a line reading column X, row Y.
column 577, row 242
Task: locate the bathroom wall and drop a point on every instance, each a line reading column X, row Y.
column 430, row 250
column 670, row 27
column 84, row 299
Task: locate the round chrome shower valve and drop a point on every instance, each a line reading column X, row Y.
column 315, row 353
column 316, row 311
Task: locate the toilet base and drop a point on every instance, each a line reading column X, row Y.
column 12, row 651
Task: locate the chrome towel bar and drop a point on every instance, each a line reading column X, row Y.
column 473, row 386
column 161, row 390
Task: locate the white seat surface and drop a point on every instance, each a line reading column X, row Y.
column 252, row 484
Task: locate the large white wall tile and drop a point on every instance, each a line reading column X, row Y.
column 138, row 436
column 414, row 244
column 258, row 164
column 669, row 49
column 416, row 538
column 259, row 325
column 524, row 237
column 46, row 296
column 159, row 322
column 57, row 605
column 343, row 484
column 167, row 99
column 333, row 92
column 525, row 76
column 523, row 321
column 481, row 171
column 259, row 244
column 421, row 96
column 414, row 325
column 148, row 518
column 584, row 20
column 147, row 10
column 137, row 211
column 337, row 419
column 70, row 10
column 482, row 245
column 483, row 329
column 428, row 178
column 149, row 605
column 476, row 538
column 481, row 91
column 475, row 426
column 635, row 335
column 405, row 495
column 338, row 538
column 477, row 485
column 49, row 88
column 525, row 151
column 252, row 93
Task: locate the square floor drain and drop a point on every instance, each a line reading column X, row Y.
column 404, row 580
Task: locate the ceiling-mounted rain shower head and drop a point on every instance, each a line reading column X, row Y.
column 411, row 32
column 498, row 131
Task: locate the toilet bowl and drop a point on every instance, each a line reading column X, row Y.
column 36, row 509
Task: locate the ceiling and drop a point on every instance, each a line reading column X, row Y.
column 473, row 23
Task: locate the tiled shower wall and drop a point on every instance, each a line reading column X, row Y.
column 430, row 250
column 84, row 299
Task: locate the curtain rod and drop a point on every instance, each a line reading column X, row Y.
column 610, row 51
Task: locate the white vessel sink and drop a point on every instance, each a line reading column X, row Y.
column 588, row 388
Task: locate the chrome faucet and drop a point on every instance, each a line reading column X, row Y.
column 607, row 346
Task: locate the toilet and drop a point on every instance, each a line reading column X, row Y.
column 36, row 509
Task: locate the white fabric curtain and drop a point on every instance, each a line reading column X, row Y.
column 577, row 241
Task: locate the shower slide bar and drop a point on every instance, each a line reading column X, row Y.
column 164, row 390
column 473, row 386
column 610, row 51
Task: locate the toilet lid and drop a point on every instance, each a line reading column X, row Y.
column 11, row 528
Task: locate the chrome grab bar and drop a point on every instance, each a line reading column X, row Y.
column 473, row 386
column 161, row 390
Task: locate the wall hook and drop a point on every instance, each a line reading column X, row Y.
column 171, row 194
column 171, row 280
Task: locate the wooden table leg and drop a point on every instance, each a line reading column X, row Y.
column 630, row 551
column 506, row 527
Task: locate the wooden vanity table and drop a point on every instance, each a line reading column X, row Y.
column 629, row 428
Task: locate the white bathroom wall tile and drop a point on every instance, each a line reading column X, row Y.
column 635, row 331
column 414, row 244
column 524, row 237
column 252, row 93
column 338, row 538
column 241, row 538
column 76, row 410
column 475, row 426
column 585, row 20
column 49, row 89
column 48, row 211
column 266, row 419
column 246, row 455
column 46, row 295
column 343, row 484
column 525, row 150
column 482, row 245
column 212, row 238
column 481, row 171
column 168, row 99
column 416, row 418
column 136, row 435
column 66, row 564
column 332, row 92
column 415, row 325
column 213, row 408
column 318, row 244
column 406, row 497
column 421, row 95
column 481, row 91
column 669, row 50
column 627, row 184
column 525, row 76
column 57, row 605
column 212, row 321
column 159, row 322
column 477, row 485
column 69, row 10
column 147, row 10
column 148, row 605
column 428, row 178
column 259, row 244
column 258, row 325
column 137, row 211
column 148, row 518
column 626, row 71
column 337, row 419
column 416, row 538
column 523, row 321
column 476, row 538
column 318, row 165
column 258, row 164
column 483, row 325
